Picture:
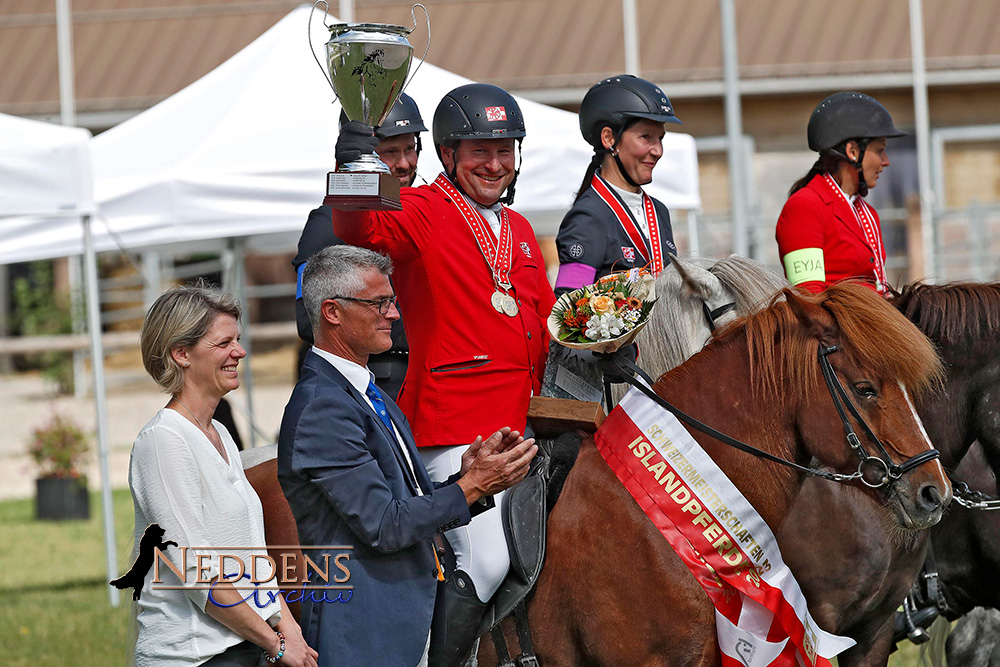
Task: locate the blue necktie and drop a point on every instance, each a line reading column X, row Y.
column 375, row 396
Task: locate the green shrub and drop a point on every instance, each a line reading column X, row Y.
column 38, row 310
column 59, row 448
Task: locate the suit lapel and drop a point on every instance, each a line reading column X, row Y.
column 327, row 370
column 841, row 208
column 399, row 419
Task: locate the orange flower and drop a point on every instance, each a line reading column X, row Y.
column 634, row 303
column 601, row 304
column 582, row 302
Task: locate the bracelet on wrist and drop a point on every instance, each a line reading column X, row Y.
column 281, row 649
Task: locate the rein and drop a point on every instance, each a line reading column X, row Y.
column 888, row 471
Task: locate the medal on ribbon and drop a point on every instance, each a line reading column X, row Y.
column 496, row 252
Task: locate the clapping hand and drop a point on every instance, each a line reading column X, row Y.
column 498, row 463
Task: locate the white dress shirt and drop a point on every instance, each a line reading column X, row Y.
column 634, row 202
column 179, row 481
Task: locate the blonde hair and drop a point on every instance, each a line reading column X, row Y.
column 178, row 318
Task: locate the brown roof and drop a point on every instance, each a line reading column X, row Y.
column 130, row 54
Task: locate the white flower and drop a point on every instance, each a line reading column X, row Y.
column 604, row 327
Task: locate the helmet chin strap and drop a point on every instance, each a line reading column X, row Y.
column 618, row 161
column 858, row 164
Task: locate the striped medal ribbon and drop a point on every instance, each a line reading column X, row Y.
column 653, row 252
column 497, row 253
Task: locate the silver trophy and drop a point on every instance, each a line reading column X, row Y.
column 366, row 66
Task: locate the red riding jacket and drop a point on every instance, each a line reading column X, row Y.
column 472, row 370
column 820, row 240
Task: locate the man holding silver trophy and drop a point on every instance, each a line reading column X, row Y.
column 471, row 280
column 399, row 148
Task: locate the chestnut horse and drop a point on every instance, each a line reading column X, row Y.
column 757, row 381
column 854, row 584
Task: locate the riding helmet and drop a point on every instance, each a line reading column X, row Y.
column 619, row 99
column 477, row 111
column 403, row 118
column 846, row 115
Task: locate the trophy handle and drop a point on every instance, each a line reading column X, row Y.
column 427, row 48
column 312, row 50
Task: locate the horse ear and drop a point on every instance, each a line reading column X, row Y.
column 816, row 319
column 700, row 282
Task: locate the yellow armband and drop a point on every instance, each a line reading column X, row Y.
column 805, row 265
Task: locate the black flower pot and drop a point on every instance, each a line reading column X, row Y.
column 62, row 498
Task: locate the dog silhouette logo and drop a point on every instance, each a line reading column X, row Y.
column 152, row 538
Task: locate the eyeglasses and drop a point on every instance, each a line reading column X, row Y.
column 383, row 305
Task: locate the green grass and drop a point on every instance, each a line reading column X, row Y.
column 54, row 609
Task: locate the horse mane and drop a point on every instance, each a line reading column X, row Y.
column 953, row 313
column 783, row 355
column 751, row 282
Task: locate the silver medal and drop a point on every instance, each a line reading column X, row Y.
column 497, row 299
column 509, row 306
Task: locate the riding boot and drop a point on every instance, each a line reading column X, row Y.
column 463, row 613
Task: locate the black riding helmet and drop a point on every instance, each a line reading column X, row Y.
column 617, row 102
column 478, row 111
column 403, row 118
column 848, row 116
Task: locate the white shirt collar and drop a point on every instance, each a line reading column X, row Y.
column 359, row 376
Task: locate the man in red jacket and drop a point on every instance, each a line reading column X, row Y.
column 475, row 297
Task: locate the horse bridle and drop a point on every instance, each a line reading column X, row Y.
column 881, row 465
column 712, row 315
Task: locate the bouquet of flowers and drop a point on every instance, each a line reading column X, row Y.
column 606, row 315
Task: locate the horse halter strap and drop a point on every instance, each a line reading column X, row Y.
column 881, row 466
column 712, row 315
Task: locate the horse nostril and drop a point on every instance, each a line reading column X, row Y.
column 930, row 498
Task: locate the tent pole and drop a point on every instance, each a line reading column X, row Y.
column 235, row 279
column 630, row 19
column 694, row 243
column 346, row 11
column 64, row 44
column 97, row 364
column 734, row 129
column 79, row 324
column 922, row 120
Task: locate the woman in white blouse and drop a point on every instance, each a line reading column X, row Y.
column 185, row 476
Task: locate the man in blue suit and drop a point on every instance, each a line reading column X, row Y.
column 349, row 468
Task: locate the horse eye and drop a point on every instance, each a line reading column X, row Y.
column 865, row 390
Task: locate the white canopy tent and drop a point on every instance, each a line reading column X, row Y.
column 243, row 152
column 46, row 188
